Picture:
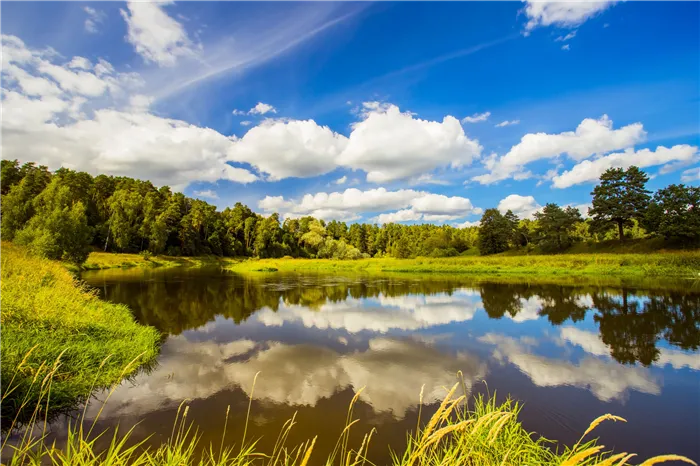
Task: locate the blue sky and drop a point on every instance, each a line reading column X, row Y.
column 358, row 111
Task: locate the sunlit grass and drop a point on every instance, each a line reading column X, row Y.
column 46, row 313
column 670, row 264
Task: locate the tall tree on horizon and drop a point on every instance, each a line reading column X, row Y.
column 620, row 197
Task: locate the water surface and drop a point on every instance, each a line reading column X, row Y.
column 571, row 353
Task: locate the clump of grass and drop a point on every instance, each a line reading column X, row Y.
column 489, row 434
column 47, row 315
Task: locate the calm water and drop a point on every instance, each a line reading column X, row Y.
column 571, row 353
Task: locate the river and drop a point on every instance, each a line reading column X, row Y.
column 569, row 352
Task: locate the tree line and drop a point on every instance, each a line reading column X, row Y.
column 66, row 214
column 621, row 207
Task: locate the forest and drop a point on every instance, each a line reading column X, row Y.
column 67, row 214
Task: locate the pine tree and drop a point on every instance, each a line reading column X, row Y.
column 620, row 197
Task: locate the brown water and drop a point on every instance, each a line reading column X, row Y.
column 571, row 353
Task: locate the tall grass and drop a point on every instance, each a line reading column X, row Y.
column 47, row 315
column 487, row 435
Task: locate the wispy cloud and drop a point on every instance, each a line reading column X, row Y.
column 507, row 123
column 249, row 48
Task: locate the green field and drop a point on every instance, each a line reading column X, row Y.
column 671, row 264
column 51, row 324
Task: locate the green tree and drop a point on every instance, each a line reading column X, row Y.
column 59, row 230
column 555, row 226
column 17, row 204
column 620, row 197
column 495, row 232
column 675, row 213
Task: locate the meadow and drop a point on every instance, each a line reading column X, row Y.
column 52, row 324
column 671, row 264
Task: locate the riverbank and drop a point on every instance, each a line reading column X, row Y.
column 52, row 324
column 672, row 264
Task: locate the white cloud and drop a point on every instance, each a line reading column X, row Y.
column 340, row 205
column 507, row 123
column 63, row 114
column 566, row 14
column 529, row 310
column 390, row 145
column 569, row 36
column 246, row 123
column 286, row 149
column 208, row 193
column 157, row 37
column 590, row 170
column 348, row 204
column 140, row 102
column 95, row 17
column 262, row 109
column 590, row 137
column 690, row 175
column 477, row 117
column 522, row 206
column 607, row 380
column 566, row 47
column 238, row 112
column 403, row 215
column 342, row 180
column 468, row 224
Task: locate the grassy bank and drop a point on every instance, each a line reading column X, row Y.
column 671, row 264
column 110, row 260
column 488, row 434
column 46, row 313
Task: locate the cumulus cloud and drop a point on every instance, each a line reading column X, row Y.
column 261, row 109
column 66, row 114
column 477, row 117
column 468, row 224
column 522, row 206
column 94, row 19
column 414, row 205
column 507, row 123
column 390, row 145
column 342, row 180
column 590, row 170
column 157, row 37
column 590, row 137
column 283, row 149
column 564, row 14
column 606, row 380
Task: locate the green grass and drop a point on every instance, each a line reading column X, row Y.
column 684, row 264
column 49, row 316
column 110, row 260
column 489, row 434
